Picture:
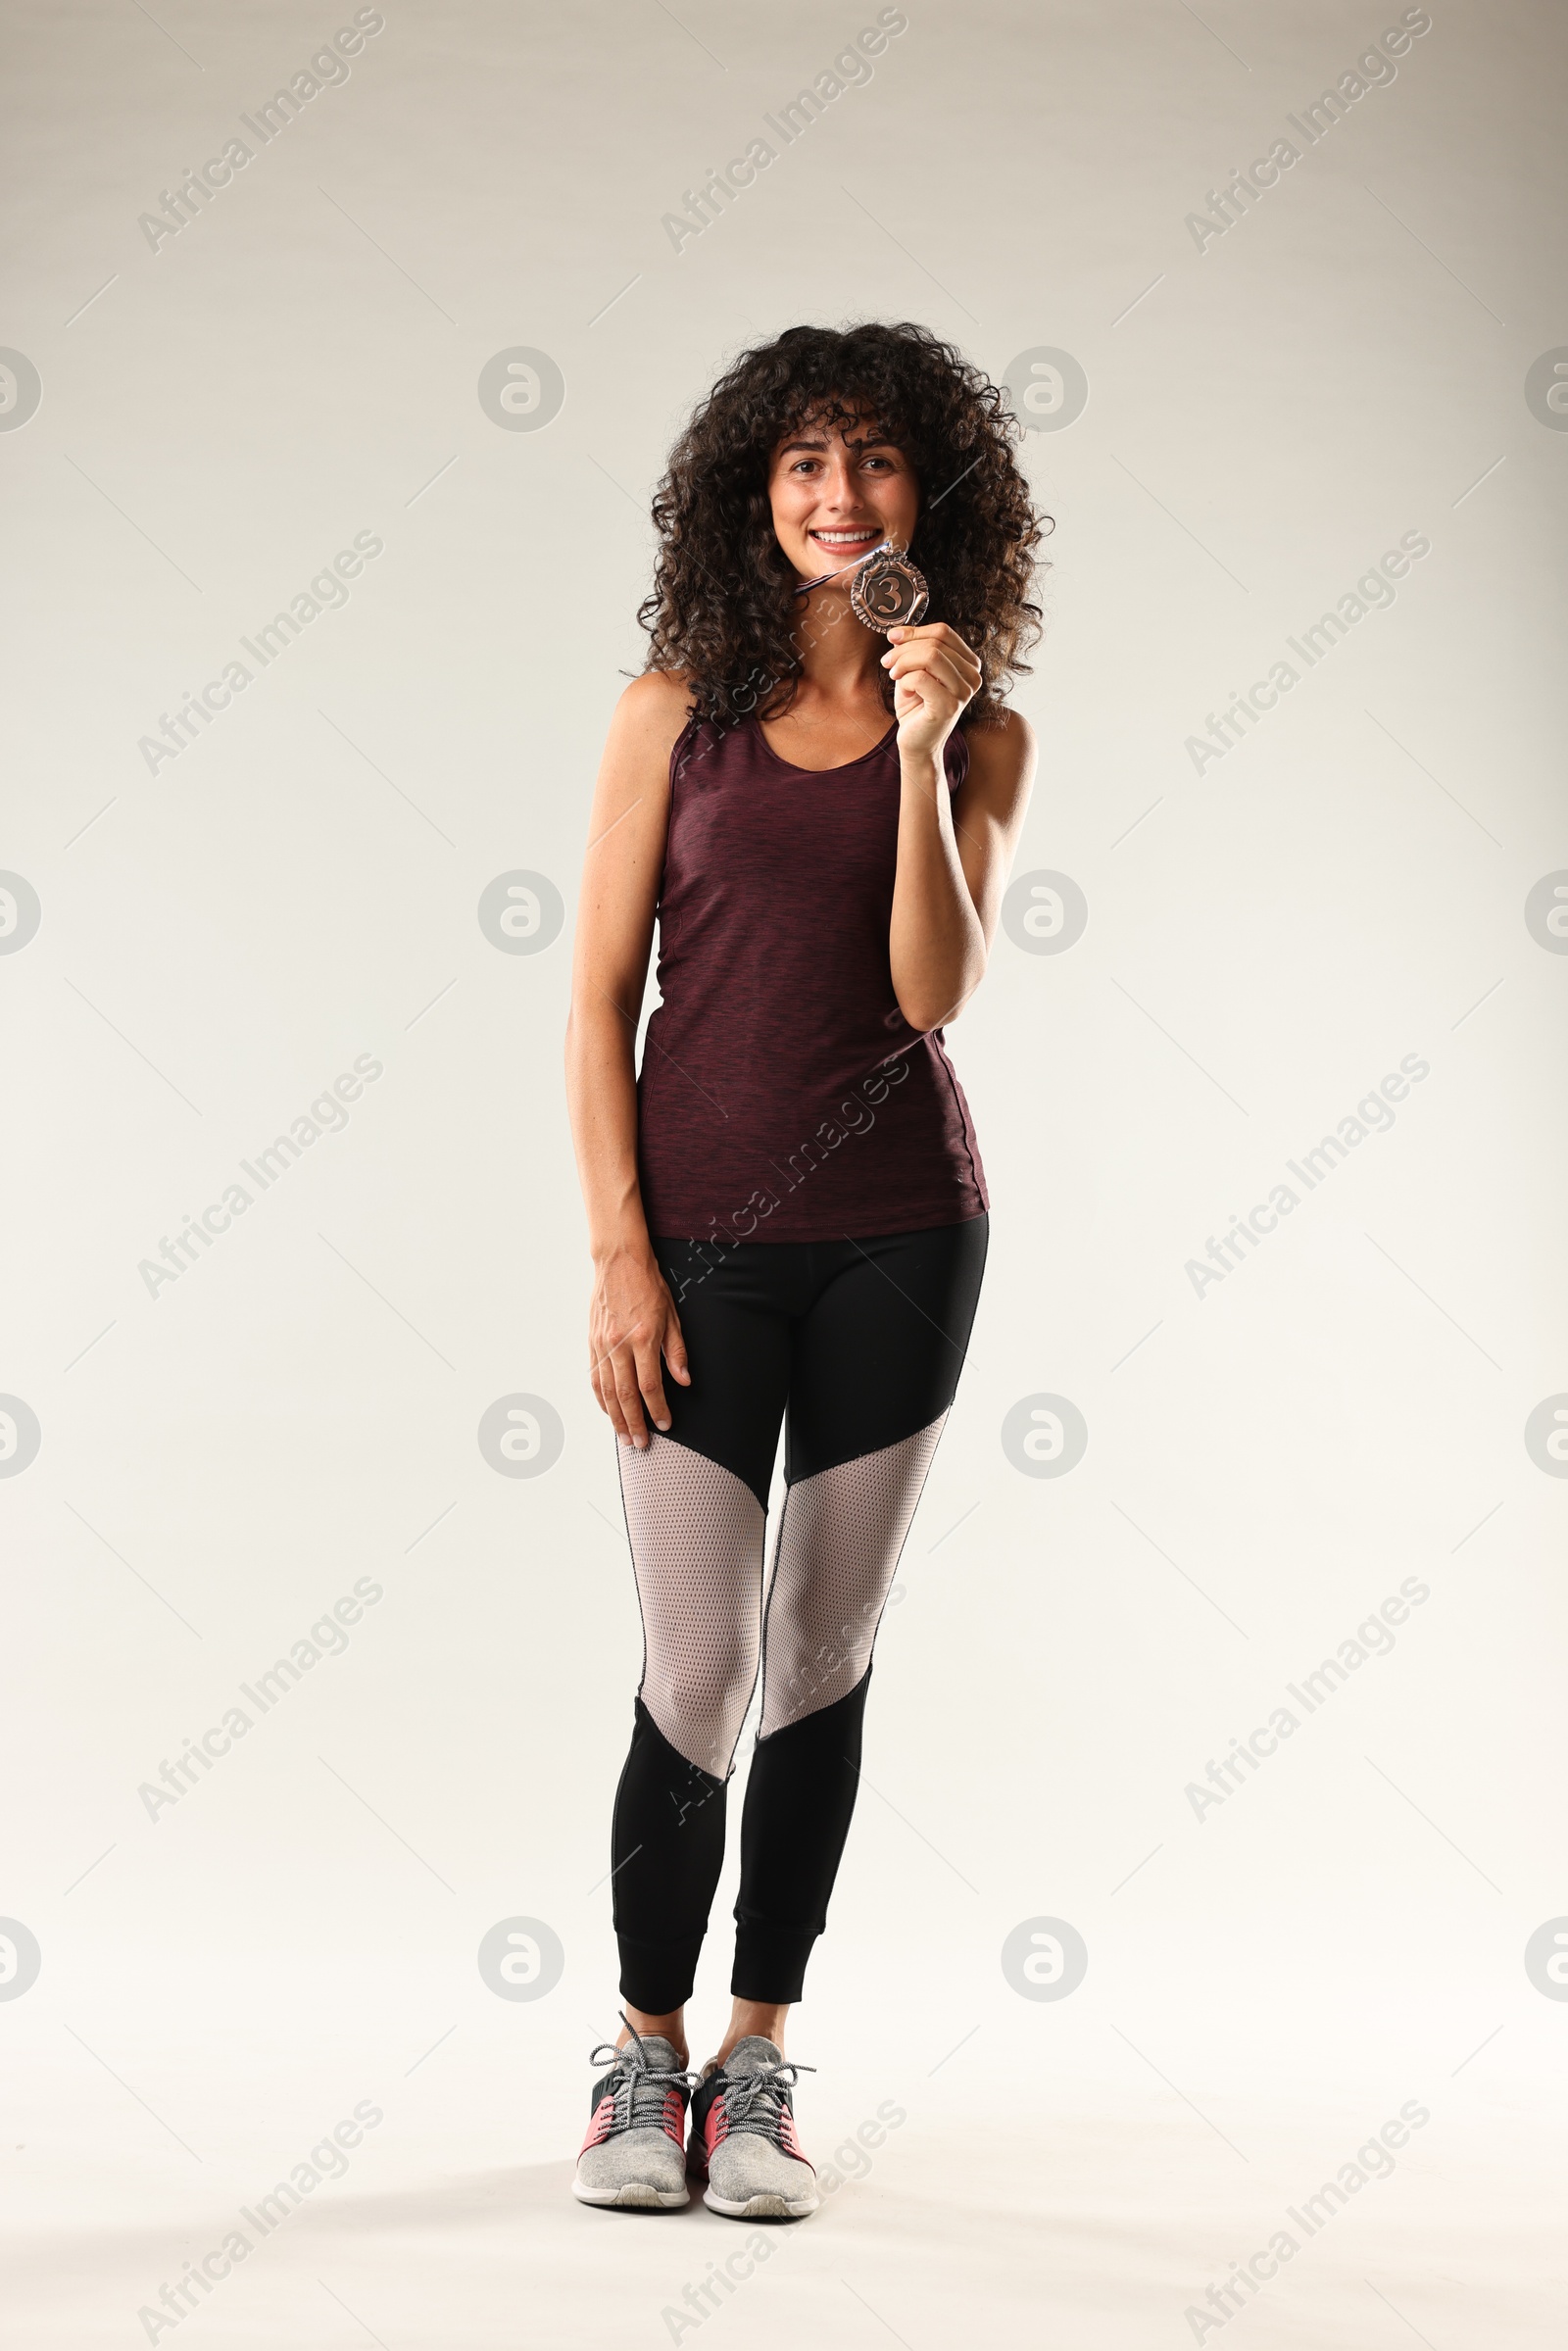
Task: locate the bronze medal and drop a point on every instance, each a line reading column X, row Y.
column 888, row 591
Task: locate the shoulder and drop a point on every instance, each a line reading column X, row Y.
column 653, row 712
column 1002, row 748
column 646, row 724
column 1001, row 765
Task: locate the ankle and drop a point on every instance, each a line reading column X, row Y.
column 682, row 2053
column 671, row 2026
column 753, row 2019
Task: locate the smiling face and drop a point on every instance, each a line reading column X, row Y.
column 837, row 491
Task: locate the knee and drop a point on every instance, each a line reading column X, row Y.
column 703, row 1689
column 700, row 1700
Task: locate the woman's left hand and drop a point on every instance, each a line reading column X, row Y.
column 934, row 674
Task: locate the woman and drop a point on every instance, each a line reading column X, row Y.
column 788, row 1213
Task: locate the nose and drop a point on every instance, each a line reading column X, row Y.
column 839, row 491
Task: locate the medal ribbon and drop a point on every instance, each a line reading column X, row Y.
column 804, row 587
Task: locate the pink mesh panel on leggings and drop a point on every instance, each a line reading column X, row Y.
column 696, row 1549
column 838, row 1541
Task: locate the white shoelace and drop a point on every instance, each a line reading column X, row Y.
column 757, row 2101
column 638, row 2086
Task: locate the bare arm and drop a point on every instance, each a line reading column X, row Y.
column 632, row 1320
column 955, row 850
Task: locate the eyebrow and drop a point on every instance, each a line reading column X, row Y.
column 874, row 440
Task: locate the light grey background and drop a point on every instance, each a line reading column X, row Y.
column 1265, row 1462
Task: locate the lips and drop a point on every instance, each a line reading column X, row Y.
column 865, row 535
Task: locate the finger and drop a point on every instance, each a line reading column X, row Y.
column 675, row 1350
column 926, row 650
column 630, row 1395
column 610, row 1405
column 925, row 712
column 650, row 1385
column 955, row 657
column 932, row 649
column 604, row 1375
column 922, row 692
column 935, row 665
column 603, row 1384
column 935, row 632
column 943, row 665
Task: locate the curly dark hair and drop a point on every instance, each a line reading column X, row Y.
column 723, row 611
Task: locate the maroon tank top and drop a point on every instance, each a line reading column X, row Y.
column 783, row 1095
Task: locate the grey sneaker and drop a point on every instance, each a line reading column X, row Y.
column 743, row 2134
column 635, row 2152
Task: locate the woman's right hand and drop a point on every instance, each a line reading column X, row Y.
column 632, row 1324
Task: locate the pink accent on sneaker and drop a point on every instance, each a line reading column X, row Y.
column 601, row 2122
column 715, row 2130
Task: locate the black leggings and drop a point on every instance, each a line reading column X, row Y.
column 855, row 1345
